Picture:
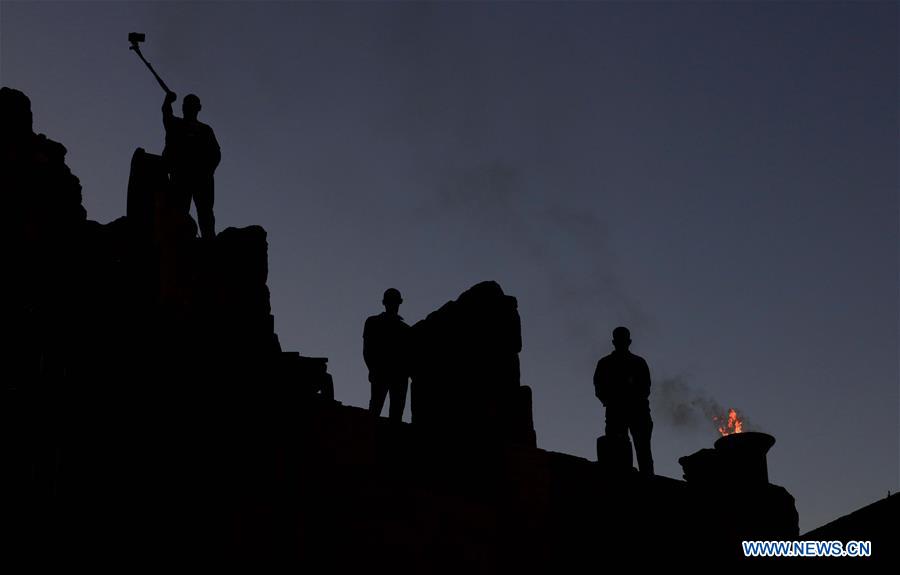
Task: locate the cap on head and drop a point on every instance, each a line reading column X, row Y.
column 191, row 102
column 392, row 295
column 621, row 335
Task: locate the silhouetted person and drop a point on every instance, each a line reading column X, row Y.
column 622, row 384
column 192, row 154
column 385, row 344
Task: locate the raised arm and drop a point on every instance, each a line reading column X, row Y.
column 168, row 115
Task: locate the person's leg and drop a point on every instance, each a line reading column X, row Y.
column 379, row 393
column 641, row 430
column 617, row 438
column 399, row 386
column 181, row 193
column 204, row 195
column 616, row 424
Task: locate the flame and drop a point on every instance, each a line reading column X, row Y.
column 733, row 424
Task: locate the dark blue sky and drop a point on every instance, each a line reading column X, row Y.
column 721, row 177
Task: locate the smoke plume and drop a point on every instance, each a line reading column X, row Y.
column 687, row 408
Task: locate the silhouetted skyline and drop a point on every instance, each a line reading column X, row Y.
column 722, row 178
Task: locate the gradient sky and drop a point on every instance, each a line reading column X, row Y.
column 720, row 177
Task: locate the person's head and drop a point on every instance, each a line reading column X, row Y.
column 392, row 300
column 190, row 107
column 621, row 338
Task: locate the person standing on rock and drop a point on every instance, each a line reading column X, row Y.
column 385, row 351
column 622, row 384
column 192, row 154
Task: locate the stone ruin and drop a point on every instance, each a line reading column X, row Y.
column 151, row 418
column 141, row 298
column 465, row 381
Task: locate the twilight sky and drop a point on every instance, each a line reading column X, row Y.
column 720, row 177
